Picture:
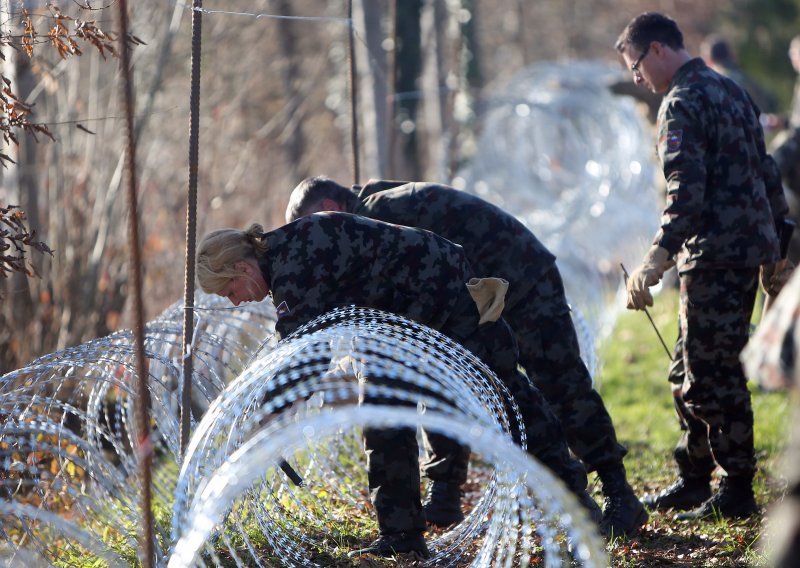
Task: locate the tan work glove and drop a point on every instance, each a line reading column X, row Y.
column 489, row 295
column 649, row 273
column 775, row 275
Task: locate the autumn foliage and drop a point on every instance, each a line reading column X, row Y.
column 15, row 240
column 33, row 35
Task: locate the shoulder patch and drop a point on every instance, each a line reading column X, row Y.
column 674, row 139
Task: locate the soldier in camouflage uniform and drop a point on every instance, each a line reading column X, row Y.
column 327, row 260
column 724, row 206
column 497, row 244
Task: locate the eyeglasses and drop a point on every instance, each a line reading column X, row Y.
column 635, row 64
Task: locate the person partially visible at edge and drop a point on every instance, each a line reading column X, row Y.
column 771, row 356
column 719, row 55
column 497, row 244
column 327, row 260
column 793, row 117
column 724, row 207
column 785, row 148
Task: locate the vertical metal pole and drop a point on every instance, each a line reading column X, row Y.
column 142, row 391
column 191, row 226
column 353, row 93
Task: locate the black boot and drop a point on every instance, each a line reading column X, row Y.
column 395, row 543
column 588, row 502
column 685, row 493
column 443, row 504
column 733, row 500
column 623, row 513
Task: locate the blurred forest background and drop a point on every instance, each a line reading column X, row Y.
column 275, row 108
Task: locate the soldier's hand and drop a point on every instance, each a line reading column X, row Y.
column 775, row 275
column 649, row 273
column 639, row 295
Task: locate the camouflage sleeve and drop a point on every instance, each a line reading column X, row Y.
column 682, row 148
column 772, row 179
column 303, row 300
column 300, row 315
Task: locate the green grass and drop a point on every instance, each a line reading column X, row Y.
column 634, row 386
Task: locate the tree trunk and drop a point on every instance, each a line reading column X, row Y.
column 408, row 65
column 292, row 138
column 373, row 98
column 434, row 89
column 17, row 305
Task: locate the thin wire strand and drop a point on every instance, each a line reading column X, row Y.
column 266, row 15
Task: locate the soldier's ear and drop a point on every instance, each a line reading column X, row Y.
column 242, row 266
column 331, row 205
column 658, row 48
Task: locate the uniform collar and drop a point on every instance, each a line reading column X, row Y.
column 693, row 65
column 374, row 186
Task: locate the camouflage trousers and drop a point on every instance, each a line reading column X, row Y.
column 394, row 479
column 549, row 352
column 708, row 382
column 393, row 454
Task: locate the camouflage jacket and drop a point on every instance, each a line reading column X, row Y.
column 327, row 260
column 495, row 243
column 724, row 196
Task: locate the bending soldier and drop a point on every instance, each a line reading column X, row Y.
column 497, row 244
column 328, row 260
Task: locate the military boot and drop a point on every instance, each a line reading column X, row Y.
column 733, row 500
column 685, row 493
column 623, row 513
column 591, row 506
column 393, row 544
column 443, row 504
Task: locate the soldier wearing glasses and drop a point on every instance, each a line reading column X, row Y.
column 724, row 208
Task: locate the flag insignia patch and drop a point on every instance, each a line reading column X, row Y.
column 674, row 139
